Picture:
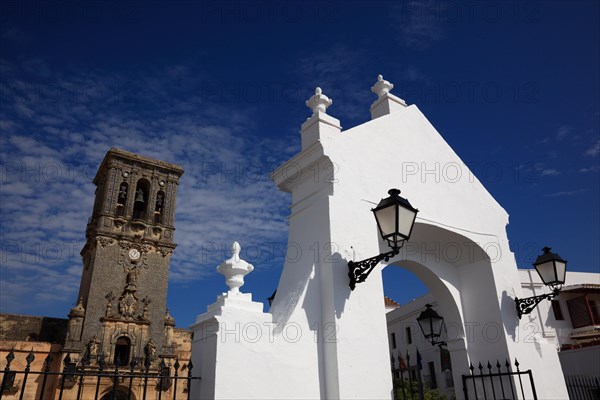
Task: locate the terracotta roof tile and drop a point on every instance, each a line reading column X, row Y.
column 389, row 302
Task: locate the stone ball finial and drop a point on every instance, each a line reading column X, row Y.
column 319, row 102
column 234, row 269
column 381, row 87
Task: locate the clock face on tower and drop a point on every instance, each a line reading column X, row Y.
column 134, row 254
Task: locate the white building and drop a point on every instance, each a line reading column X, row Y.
column 323, row 339
column 405, row 338
column 571, row 321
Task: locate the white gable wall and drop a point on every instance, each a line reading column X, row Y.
column 397, row 150
column 342, row 349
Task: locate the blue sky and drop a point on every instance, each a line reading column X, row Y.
column 219, row 88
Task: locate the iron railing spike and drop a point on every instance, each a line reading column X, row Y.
column 30, row 357
column 10, row 357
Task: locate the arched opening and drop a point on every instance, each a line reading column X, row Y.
column 140, row 203
column 122, row 199
column 118, row 394
column 433, row 268
column 159, row 206
column 122, row 350
column 414, row 359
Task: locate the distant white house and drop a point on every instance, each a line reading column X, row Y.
column 572, row 321
column 405, row 338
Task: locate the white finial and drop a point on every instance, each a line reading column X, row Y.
column 382, row 86
column 318, row 102
column 235, row 251
column 234, row 269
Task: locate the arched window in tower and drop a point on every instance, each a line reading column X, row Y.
column 159, row 207
column 122, row 351
column 140, row 202
column 122, row 199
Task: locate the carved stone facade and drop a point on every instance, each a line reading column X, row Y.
column 121, row 313
column 126, row 258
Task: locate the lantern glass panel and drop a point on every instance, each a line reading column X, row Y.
column 561, row 270
column 436, row 324
column 546, row 272
column 406, row 219
column 386, row 219
column 426, row 327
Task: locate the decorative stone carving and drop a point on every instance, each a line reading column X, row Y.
column 150, row 349
column 319, row 102
column 127, row 304
column 93, row 346
column 75, row 321
column 146, row 301
column 169, row 320
column 109, row 311
column 131, row 279
column 234, row 269
column 78, row 311
column 165, row 251
column 104, row 241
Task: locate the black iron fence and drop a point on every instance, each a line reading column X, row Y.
column 88, row 377
column 582, row 387
column 409, row 387
column 491, row 382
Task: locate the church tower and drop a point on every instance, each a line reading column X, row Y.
column 121, row 314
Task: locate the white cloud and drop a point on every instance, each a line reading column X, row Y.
column 594, row 150
column 567, row 193
column 418, row 23
column 51, row 156
column 549, row 172
column 594, row 168
column 563, row 132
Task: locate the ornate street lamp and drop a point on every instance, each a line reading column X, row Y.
column 552, row 269
column 431, row 324
column 395, row 219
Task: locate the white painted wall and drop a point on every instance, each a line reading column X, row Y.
column 334, row 182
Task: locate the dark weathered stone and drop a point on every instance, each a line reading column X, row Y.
column 117, row 226
column 15, row 327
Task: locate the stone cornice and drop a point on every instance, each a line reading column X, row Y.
column 128, row 157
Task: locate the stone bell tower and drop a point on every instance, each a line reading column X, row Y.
column 121, row 314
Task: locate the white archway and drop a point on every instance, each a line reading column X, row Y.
column 342, row 351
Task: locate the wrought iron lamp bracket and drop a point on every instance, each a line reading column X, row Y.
column 526, row 305
column 358, row 271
